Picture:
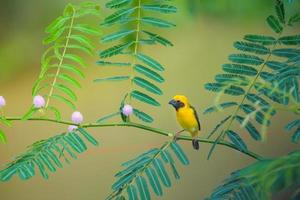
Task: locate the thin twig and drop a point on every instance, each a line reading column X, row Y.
column 143, row 127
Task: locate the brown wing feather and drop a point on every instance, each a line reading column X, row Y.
column 196, row 116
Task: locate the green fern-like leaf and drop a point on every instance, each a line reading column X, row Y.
column 249, row 127
column 246, row 59
column 233, row 79
column 150, row 62
column 261, row 180
column 220, row 107
column 154, row 182
column 280, row 11
column 116, row 36
column 2, row 137
column 45, row 156
column 219, row 125
column 274, row 24
column 143, row 116
column 147, row 85
column 265, row 72
column 261, row 39
column 59, row 63
column 142, row 187
column 135, row 18
column 286, row 74
column 157, row 22
column 290, row 40
column 180, row 153
column 227, row 89
column 294, row 19
column 294, row 125
column 160, row 8
column 115, row 50
column 286, row 52
column 114, row 78
column 255, row 99
column 117, row 3
column 148, row 171
column 275, row 65
column 7, row 123
column 149, row 73
column 296, row 136
column 119, row 15
column 132, row 192
column 237, row 140
column 251, row 47
column 144, row 98
column 159, row 39
column 240, row 69
column 116, row 64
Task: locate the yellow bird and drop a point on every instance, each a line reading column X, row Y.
column 187, row 118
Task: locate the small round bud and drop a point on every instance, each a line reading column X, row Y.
column 38, row 101
column 77, row 117
column 127, row 110
column 2, row 102
column 72, row 128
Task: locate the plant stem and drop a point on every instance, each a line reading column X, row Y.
column 143, row 127
column 61, row 60
column 136, row 47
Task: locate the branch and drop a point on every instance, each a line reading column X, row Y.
column 143, row 127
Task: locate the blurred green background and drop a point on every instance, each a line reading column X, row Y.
column 203, row 39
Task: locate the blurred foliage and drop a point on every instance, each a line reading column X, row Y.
column 20, row 28
column 246, row 10
column 262, row 180
column 24, row 23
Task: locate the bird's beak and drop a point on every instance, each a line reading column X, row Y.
column 173, row 102
column 176, row 104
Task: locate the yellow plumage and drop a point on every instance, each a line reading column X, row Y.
column 187, row 120
column 187, row 116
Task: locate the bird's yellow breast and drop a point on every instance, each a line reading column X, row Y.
column 186, row 118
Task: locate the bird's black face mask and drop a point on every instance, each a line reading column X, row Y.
column 176, row 104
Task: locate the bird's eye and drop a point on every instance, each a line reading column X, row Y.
column 178, row 101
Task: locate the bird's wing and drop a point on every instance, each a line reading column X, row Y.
column 196, row 116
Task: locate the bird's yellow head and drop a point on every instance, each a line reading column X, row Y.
column 179, row 101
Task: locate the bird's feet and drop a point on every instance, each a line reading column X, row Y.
column 176, row 136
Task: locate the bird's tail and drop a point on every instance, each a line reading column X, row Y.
column 195, row 144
